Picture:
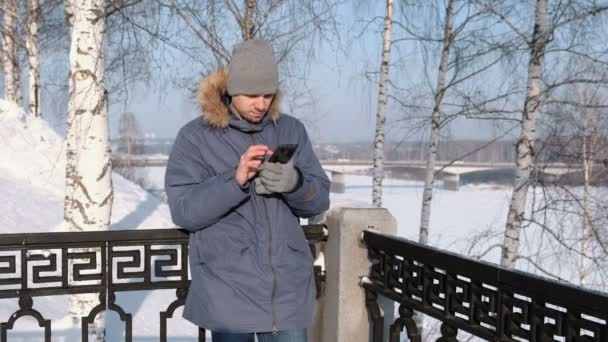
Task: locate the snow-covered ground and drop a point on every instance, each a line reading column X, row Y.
column 32, row 167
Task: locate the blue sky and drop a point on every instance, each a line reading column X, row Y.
column 343, row 103
column 344, row 98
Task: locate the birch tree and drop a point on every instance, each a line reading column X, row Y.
column 429, row 179
column 89, row 193
column 129, row 134
column 525, row 144
column 566, row 216
column 380, row 116
column 21, row 31
column 469, row 51
column 33, row 13
column 247, row 22
column 537, row 93
column 88, row 168
column 580, row 139
column 10, row 52
column 588, row 139
column 590, row 122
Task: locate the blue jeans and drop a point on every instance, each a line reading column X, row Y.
column 282, row 336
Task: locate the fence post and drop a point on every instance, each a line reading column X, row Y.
column 341, row 312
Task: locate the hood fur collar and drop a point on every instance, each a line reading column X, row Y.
column 210, row 97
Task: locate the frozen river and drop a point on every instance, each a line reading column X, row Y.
column 470, row 221
column 455, row 214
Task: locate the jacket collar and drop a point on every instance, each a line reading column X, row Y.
column 211, row 94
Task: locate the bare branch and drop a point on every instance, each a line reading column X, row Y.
column 491, row 8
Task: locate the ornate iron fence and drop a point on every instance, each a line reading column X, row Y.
column 485, row 300
column 101, row 262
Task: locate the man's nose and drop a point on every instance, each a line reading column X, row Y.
column 260, row 104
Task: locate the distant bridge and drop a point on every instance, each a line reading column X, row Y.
column 452, row 174
column 356, row 166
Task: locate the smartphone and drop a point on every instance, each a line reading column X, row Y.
column 283, row 153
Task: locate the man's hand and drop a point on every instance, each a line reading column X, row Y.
column 277, row 177
column 250, row 163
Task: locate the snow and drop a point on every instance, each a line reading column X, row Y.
column 454, row 213
column 471, row 222
column 155, row 175
column 32, row 169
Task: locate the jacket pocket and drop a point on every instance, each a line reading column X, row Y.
column 300, row 249
column 219, row 247
column 295, row 276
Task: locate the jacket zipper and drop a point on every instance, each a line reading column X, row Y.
column 275, row 325
column 275, row 328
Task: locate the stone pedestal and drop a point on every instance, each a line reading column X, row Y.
column 341, row 314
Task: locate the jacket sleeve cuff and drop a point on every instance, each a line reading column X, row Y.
column 229, row 178
column 299, row 183
column 302, row 191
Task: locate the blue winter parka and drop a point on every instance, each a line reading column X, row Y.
column 251, row 267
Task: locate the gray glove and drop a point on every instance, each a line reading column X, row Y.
column 260, row 189
column 277, row 177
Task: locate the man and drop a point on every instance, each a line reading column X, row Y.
column 251, row 267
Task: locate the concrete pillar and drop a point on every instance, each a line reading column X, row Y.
column 451, row 181
column 341, row 313
column 338, row 182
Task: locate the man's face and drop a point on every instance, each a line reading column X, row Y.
column 252, row 107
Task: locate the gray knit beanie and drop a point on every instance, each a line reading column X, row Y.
column 253, row 69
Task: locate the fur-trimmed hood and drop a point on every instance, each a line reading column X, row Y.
column 214, row 111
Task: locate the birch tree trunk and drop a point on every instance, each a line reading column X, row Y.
column 17, row 73
column 429, row 180
column 248, row 19
column 525, row 144
column 9, row 50
column 33, row 11
column 89, row 194
column 88, row 173
column 380, row 116
column 68, row 7
column 586, row 174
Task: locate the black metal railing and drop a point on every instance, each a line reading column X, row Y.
column 101, row 262
column 485, row 300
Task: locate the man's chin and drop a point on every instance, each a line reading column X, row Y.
column 254, row 118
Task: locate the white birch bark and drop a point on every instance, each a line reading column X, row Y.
column 8, row 51
column 33, row 10
column 248, row 19
column 68, row 6
column 587, row 165
column 525, row 144
column 17, row 74
column 89, row 194
column 429, row 179
column 89, row 175
column 380, row 116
